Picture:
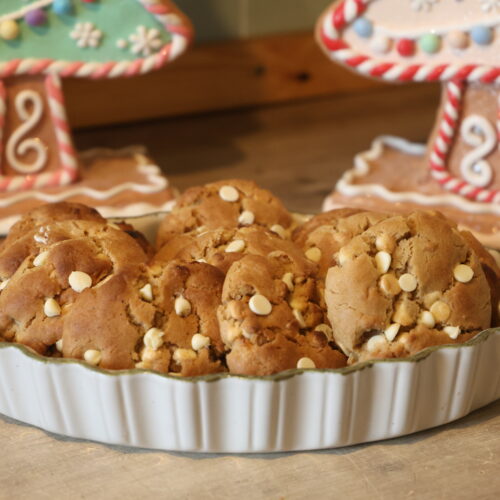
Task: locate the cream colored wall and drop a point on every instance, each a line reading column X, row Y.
column 228, row 19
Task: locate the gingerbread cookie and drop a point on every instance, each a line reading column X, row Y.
column 405, row 275
column 271, row 321
column 458, row 171
column 224, row 205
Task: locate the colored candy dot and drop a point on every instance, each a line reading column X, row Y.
column 9, row 30
column 36, row 17
column 482, row 35
column 62, row 7
column 458, row 39
column 406, row 47
column 363, row 27
column 429, row 43
column 381, row 44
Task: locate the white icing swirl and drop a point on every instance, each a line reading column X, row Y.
column 479, row 133
column 15, row 145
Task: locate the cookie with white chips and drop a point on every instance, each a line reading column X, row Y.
column 185, row 337
column 222, row 247
column 72, row 290
column 406, row 283
column 225, row 204
column 271, row 321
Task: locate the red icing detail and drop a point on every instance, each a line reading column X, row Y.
column 381, row 69
column 491, row 75
column 409, row 72
column 444, row 137
column 333, row 44
column 405, row 47
column 436, row 73
column 356, row 61
column 338, row 18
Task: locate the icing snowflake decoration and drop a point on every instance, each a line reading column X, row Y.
column 422, row 4
column 86, row 35
column 145, row 41
column 490, row 5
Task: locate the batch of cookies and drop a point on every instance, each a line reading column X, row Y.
column 236, row 283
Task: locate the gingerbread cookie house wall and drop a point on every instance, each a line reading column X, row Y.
column 43, row 42
column 454, row 42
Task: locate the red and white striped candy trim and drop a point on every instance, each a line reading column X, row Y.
column 163, row 11
column 441, row 149
column 68, row 171
column 341, row 14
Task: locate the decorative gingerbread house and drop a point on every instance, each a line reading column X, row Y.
column 44, row 41
column 456, row 42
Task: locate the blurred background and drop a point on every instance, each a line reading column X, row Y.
column 245, row 53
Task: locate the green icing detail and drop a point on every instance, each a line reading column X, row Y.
column 116, row 19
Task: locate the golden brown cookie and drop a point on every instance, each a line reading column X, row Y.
column 185, row 338
column 403, row 273
column 222, row 205
column 73, row 290
column 271, row 321
column 222, row 247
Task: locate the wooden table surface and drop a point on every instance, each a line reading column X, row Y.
column 298, row 151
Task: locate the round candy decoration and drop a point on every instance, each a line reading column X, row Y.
column 36, row 17
column 381, row 44
column 9, row 30
column 63, row 7
column 363, row 27
column 430, row 43
column 482, row 35
column 458, row 39
column 406, row 47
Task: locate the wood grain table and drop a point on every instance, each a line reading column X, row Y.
column 298, row 151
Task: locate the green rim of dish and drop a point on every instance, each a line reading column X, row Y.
column 478, row 339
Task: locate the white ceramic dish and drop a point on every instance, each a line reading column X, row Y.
column 293, row 410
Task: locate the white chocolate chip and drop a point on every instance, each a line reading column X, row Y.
column 408, row 282
column 199, row 341
column 427, row 319
column 441, row 311
column 182, row 306
column 375, row 342
column 184, row 355
column 392, row 331
column 40, row 259
column 300, row 318
column 246, row 218
column 306, row 364
column 59, row 345
column 452, row 331
column 92, row 357
column 288, row 280
column 146, row 292
column 229, row 193
column 260, row 305
column 383, row 261
column 324, row 328
column 3, row 284
column 235, row 246
column 79, row 281
column 279, row 230
column 51, row 308
column 201, row 261
column 153, row 339
column 463, row 273
column 314, row 254
column 343, row 257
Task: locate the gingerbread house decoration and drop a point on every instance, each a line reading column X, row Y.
column 45, row 41
column 456, row 42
